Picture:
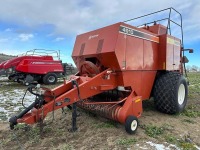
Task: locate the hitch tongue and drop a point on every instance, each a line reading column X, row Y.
column 13, row 119
column 13, row 122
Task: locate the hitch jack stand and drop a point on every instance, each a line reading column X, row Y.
column 74, row 116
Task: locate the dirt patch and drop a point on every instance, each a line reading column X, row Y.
column 156, row 131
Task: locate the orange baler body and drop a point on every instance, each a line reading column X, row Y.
column 135, row 54
column 121, row 58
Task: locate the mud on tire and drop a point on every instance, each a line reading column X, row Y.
column 170, row 92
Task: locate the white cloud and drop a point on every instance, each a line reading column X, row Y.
column 50, row 34
column 8, row 30
column 3, row 40
column 59, row 39
column 77, row 16
column 25, row 37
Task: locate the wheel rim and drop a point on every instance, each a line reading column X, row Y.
column 26, row 83
column 133, row 125
column 181, row 94
column 51, row 79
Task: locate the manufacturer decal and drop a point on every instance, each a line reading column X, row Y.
column 93, row 36
column 42, row 63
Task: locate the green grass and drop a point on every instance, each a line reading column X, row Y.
column 170, row 139
column 66, row 147
column 3, row 116
column 191, row 111
column 108, row 124
column 153, row 131
column 187, row 145
column 179, row 142
column 20, row 126
column 194, row 80
column 124, row 141
column 32, row 134
column 47, row 129
column 194, row 77
column 189, row 121
column 194, row 89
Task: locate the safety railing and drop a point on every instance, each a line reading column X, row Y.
column 43, row 52
column 168, row 19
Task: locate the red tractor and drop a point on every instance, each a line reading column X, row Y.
column 35, row 65
column 119, row 66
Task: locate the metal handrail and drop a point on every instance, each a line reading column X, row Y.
column 42, row 52
column 168, row 19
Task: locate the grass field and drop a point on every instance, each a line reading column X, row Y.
column 156, row 130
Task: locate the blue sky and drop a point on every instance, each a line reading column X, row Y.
column 52, row 24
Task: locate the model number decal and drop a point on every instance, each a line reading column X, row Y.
column 127, row 30
column 139, row 34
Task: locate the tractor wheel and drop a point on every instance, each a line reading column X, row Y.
column 131, row 124
column 10, row 77
column 50, row 78
column 26, row 83
column 170, row 92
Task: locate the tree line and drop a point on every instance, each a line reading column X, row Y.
column 192, row 68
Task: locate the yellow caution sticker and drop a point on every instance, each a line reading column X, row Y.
column 173, row 42
column 163, row 65
column 137, row 100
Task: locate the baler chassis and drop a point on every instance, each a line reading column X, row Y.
column 119, row 67
column 78, row 92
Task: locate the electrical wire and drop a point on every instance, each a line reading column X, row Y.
column 76, row 84
column 23, row 99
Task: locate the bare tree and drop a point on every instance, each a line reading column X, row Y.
column 188, row 68
column 194, row 68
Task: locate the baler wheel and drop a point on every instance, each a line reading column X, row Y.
column 26, row 83
column 10, row 77
column 50, row 78
column 40, row 81
column 131, row 124
column 170, row 92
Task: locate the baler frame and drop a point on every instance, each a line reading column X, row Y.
column 108, row 60
column 75, row 92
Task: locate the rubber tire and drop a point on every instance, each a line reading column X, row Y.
column 26, row 83
column 128, row 124
column 165, row 92
column 10, row 77
column 40, row 81
column 47, row 76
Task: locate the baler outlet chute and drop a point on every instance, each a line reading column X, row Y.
column 119, row 66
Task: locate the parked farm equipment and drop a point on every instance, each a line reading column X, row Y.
column 119, row 66
column 43, row 66
column 2, row 70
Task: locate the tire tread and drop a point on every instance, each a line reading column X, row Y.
column 164, row 92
